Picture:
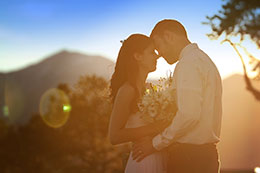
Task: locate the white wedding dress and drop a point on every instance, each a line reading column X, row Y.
column 154, row 163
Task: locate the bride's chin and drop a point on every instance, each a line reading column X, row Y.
column 155, row 66
column 153, row 69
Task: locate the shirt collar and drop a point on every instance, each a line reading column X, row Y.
column 187, row 49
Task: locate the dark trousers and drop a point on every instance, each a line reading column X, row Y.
column 189, row 158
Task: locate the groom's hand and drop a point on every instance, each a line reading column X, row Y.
column 142, row 149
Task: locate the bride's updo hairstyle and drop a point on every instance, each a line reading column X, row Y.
column 126, row 69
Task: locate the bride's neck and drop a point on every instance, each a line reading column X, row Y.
column 140, row 83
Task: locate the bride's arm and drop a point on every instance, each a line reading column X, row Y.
column 120, row 114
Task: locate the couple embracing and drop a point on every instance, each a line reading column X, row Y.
column 186, row 143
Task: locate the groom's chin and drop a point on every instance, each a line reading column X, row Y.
column 171, row 61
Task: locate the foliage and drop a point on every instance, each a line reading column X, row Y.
column 158, row 101
column 239, row 18
column 81, row 145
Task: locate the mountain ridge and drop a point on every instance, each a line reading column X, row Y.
column 24, row 87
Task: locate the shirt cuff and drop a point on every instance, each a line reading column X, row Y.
column 158, row 143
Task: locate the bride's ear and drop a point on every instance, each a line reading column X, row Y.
column 137, row 56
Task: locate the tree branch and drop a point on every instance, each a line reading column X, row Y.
column 249, row 85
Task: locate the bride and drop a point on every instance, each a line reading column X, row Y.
column 135, row 60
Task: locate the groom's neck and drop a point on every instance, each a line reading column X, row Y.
column 182, row 45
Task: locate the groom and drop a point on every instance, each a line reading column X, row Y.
column 190, row 140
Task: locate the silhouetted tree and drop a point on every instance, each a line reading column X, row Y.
column 239, row 18
column 64, row 87
column 81, row 145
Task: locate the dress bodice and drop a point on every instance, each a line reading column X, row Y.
column 135, row 120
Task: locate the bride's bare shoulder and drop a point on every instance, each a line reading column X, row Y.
column 126, row 91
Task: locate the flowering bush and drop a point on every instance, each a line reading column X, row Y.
column 158, row 101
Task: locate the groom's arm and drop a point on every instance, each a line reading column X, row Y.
column 189, row 101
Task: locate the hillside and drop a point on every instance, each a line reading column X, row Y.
column 24, row 88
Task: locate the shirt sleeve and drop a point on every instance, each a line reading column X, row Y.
column 189, row 102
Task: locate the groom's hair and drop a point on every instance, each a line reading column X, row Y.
column 169, row 25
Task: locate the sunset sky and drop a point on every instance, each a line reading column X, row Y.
column 31, row 30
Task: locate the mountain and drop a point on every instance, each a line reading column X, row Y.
column 240, row 139
column 22, row 89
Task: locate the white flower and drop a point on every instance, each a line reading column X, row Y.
column 159, row 102
column 152, row 110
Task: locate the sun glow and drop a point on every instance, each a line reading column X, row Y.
column 257, row 169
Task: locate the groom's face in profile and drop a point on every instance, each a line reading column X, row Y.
column 164, row 49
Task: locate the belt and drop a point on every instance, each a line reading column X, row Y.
column 177, row 145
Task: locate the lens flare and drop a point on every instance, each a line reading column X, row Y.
column 14, row 101
column 66, row 108
column 55, row 107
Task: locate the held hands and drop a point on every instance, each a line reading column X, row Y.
column 142, row 149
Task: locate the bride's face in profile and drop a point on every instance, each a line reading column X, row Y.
column 148, row 59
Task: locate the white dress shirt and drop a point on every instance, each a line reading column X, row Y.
column 198, row 91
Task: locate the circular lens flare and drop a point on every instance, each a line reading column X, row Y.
column 55, row 107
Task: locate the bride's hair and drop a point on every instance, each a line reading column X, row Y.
column 126, row 69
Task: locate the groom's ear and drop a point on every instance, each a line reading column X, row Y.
column 168, row 35
column 137, row 56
